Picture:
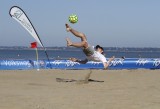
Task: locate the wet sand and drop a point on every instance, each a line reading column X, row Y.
column 118, row 89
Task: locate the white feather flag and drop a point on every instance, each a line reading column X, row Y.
column 19, row 15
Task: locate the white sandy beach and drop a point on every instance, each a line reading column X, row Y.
column 121, row 89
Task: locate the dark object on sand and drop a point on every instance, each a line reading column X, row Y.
column 85, row 81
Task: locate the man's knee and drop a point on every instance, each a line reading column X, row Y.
column 85, row 44
column 83, row 37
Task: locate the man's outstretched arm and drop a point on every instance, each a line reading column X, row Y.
column 106, row 64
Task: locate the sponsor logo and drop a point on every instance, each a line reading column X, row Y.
column 116, row 62
column 156, row 62
column 71, row 63
column 57, row 62
column 19, row 16
column 141, row 61
column 15, row 63
column 67, row 63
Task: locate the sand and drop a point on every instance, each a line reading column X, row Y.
column 118, row 89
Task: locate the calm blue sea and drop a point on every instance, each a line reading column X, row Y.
column 77, row 53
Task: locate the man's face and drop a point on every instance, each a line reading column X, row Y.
column 100, row 50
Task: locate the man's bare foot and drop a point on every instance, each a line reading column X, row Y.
column 69, row 43
column 73, row 59
column 68, row 28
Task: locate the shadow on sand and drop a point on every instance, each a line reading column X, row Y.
column 84, row 81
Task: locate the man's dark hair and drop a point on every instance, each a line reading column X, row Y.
column 98, row 46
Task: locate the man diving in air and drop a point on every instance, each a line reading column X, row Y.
column 91, row 53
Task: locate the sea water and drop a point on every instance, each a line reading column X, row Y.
column 59, row 53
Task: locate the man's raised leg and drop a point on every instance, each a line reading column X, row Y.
column 76, row 33
column 83, row 42
column 78, row 44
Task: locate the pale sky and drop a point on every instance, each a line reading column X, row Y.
column 109, row 23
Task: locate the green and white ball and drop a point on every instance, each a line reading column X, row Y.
column 73, row 18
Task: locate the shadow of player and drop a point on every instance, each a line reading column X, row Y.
column 84, row 81
column 73, row 80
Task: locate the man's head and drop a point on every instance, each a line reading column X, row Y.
column 99, row 49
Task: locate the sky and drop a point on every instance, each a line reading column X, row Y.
column 109, row 23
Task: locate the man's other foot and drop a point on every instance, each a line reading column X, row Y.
column 69, row 43
column 73, row 59
column 68, row 28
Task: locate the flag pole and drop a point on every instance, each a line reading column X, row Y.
column 34, row 45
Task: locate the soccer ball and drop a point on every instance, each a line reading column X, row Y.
column 73, row 18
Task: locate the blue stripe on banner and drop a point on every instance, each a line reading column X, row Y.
column 118, row 63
